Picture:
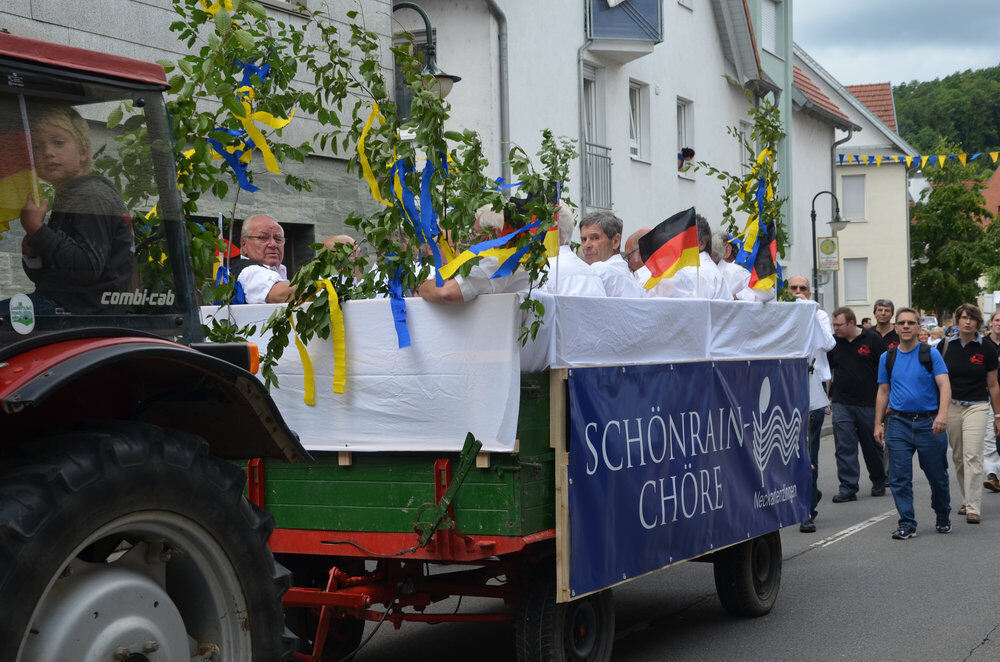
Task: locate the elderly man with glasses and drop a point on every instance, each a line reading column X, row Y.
column 259, row 275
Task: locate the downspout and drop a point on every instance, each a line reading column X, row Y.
column 501, row 20
column 581, row 111
column 833, row 189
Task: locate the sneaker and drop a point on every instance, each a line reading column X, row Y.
column 809, row 526
column 942, row 526
column 844, row 497
column 991, row 483
column 878, row 490
column 904, row 533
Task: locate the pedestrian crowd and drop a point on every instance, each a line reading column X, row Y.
column 896, row 390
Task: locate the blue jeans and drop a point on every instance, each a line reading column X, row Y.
column 816, row 417
column 903, row 436
column 854, row 425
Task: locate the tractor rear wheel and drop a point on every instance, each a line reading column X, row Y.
column 130, row 541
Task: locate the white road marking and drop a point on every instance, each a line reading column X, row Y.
column 851, row 530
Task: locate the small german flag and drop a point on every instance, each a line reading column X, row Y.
column 765, row 269
column 669, row 246
column 16, row 176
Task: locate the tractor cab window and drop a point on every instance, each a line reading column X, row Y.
column 86, row 211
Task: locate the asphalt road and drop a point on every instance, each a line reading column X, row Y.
column 848, row 592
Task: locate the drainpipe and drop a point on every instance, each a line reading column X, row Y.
column 833, row 188
column 501, row 20
column 583, row 125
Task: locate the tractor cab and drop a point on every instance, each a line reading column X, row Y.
column 91, row 235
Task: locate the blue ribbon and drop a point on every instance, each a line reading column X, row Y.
column 233, row 159
column 398, row 306
column 250, row 70
column 747, row 257
column 503, row 187
column 428, row 229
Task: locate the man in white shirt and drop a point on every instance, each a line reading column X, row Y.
column 819, row 373
column 701, row 282
column 259, row 272
column 601, row 235
column 568, row 274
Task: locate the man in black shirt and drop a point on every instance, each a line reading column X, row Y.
column 854, row 362
column 884, row 308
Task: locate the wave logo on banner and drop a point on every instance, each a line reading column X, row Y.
column 776, row 434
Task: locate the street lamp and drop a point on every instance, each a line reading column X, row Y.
column 837, row 224
column 442, row 81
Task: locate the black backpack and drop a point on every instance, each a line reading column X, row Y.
column 923, row 355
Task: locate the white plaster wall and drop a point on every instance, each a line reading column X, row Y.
column 882, row 237
column 812, row 165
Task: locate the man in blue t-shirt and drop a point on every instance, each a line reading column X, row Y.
column 918, row 399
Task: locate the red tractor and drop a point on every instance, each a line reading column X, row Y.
column 124, row 532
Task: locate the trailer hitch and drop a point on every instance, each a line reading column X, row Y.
column 434, row 516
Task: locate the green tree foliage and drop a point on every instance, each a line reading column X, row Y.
column 951, row 223
column 963, row 109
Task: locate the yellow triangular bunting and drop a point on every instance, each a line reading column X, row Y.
column 941, row 159
column 909, row 161
column 923, row 161
column 878, row 161
column 993, row 155
column 961, row 158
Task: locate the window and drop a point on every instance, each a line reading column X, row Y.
column 769, row 25
column 638, row 120
column 856, row 280
column 685, row 130
column 634, row 120
column 853, row 197
column 589, row 110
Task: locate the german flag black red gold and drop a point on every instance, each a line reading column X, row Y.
column 669, row 246
column 765, row 269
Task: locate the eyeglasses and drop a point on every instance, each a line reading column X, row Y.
column 631, row 252
column 265, row 238
column 906, row 323
column 837, row 326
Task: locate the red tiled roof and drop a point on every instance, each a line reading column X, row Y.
column 992, row 194
column 878, row 98
column 814, row 94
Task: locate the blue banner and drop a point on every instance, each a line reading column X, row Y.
column 668, row 462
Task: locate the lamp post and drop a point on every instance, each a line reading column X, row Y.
column 836, row 224
column 443, row 82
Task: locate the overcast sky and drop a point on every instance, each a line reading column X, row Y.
column 874, row 41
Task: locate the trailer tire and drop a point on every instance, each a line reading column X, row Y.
column 546, row 631
column 126, row 535
column 748, row 575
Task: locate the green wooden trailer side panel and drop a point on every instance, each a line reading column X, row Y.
column 382, row 492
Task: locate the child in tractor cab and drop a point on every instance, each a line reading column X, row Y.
column 85, row 251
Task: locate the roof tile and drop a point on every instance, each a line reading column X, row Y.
column 878, row 98
column 814, row 94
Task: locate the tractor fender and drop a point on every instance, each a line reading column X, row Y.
column 147, row 379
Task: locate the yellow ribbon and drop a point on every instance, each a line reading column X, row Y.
column 338, row 337
column 216, row 6
column 308, row 378
column 248, row 119
column 366, row 168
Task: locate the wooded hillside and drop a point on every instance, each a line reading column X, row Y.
column 962, row 108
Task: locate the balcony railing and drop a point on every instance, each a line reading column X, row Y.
column 597, row 161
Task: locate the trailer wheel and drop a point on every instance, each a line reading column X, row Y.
column 748, row 575
column 579, row 631
column 126, row 541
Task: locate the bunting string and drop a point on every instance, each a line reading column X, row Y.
column 920, row 161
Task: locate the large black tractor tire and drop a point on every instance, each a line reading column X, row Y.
column 546, row 631
column 748, row 575
column 131, row 541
